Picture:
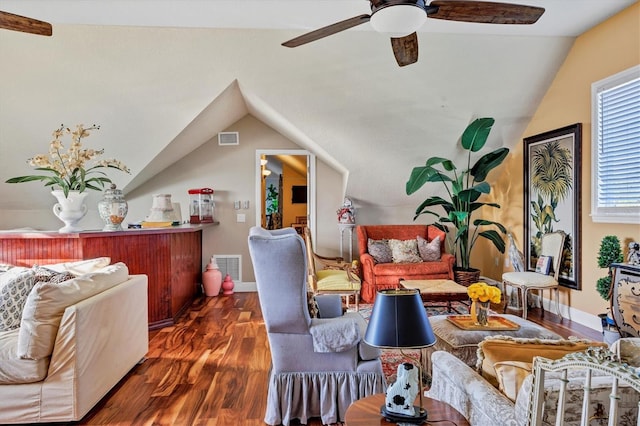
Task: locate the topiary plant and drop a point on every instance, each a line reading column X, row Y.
column 610, row 252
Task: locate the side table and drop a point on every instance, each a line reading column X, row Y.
column 366, row 412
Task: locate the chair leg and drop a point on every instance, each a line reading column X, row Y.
column 357, row 296
column 506, row 300
column 525, row 298
column 557, row 292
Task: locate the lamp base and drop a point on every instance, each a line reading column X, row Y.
column 418, row 418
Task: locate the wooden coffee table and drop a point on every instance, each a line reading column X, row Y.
column 366, row 412
column 438, row 291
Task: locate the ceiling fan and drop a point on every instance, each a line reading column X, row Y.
column 402, row 18
column 9, row 21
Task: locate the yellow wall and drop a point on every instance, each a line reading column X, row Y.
column 607, row 49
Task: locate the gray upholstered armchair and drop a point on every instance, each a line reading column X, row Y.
column 319, row 366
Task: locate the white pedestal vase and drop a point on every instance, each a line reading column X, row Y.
column 70, row 209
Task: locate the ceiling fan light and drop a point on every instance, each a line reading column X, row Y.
column 399, row 20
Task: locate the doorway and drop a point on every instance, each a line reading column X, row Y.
column 285, row 189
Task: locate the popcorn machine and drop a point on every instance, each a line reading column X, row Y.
column 201, row 205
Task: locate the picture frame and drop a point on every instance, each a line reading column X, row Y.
column 552, row 197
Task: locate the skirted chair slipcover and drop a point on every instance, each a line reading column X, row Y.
column 319, row 366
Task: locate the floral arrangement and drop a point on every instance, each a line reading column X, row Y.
column 484, row 292
column 71, row 170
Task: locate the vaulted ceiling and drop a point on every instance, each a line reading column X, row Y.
column 163, row 77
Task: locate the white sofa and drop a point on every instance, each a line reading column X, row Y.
column 483, row 404
column 96, row 339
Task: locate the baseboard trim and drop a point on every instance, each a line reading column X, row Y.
column 245, row 287
column 576, row 315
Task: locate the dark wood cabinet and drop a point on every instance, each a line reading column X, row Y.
column 625, row 298
column 170, row 257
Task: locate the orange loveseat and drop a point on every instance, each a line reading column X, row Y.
column 379, row 276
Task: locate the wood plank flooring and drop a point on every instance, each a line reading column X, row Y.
column 211, row 368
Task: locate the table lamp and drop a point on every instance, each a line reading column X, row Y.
column 399, row 321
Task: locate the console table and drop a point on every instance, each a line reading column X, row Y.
column 170, row 257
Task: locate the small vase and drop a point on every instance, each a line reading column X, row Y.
column 70, row 209
column 227, row 285
column 479, row 312
column 113, row 209
column 212, row 279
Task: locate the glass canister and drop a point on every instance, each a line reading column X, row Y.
column 113, row 209
column 201, row 205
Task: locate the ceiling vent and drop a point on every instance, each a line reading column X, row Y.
column 228, row 138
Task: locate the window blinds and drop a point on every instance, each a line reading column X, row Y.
column 619, row 146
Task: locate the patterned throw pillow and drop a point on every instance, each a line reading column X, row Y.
column 380, row 250
column 429, row 251
column 15, row 286
column 405, row 251
column 43, row 274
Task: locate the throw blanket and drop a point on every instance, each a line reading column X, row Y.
column 334, row 334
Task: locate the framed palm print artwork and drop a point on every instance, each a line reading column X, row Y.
column 552, row 197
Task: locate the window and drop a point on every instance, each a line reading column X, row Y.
column 615, row 147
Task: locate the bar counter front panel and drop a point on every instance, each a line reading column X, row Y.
column 170, row 257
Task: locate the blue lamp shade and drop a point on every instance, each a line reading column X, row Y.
column 399, row 320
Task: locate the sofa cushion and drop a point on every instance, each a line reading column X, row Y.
column 15, row 286
column 429, row 250
column 46, row 304
column 332, row 279
column 510, row 375
column 379, row 250
column 404, row 251
column 81, row 267
column 13, row 369
column 504, row 348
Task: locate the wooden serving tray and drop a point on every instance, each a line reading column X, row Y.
column 496, row 323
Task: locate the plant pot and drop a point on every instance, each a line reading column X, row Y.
column 466, row 277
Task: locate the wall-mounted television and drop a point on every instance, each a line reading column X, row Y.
column 298, row 194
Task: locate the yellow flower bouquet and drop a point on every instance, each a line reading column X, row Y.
column 482, row 294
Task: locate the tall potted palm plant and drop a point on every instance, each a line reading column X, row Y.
column 463, row 187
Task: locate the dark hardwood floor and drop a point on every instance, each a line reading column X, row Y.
column 211, row 368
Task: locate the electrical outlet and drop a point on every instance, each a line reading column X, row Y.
column 241, row 218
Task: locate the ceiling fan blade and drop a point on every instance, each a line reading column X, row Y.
column 9, row 21
column 405, row 49
column 484, row 12
column 327, row 31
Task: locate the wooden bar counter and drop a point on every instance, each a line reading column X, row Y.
column 170, row 257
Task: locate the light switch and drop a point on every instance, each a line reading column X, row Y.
column 245, row 205
column 240, row 217
column 236, row 205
